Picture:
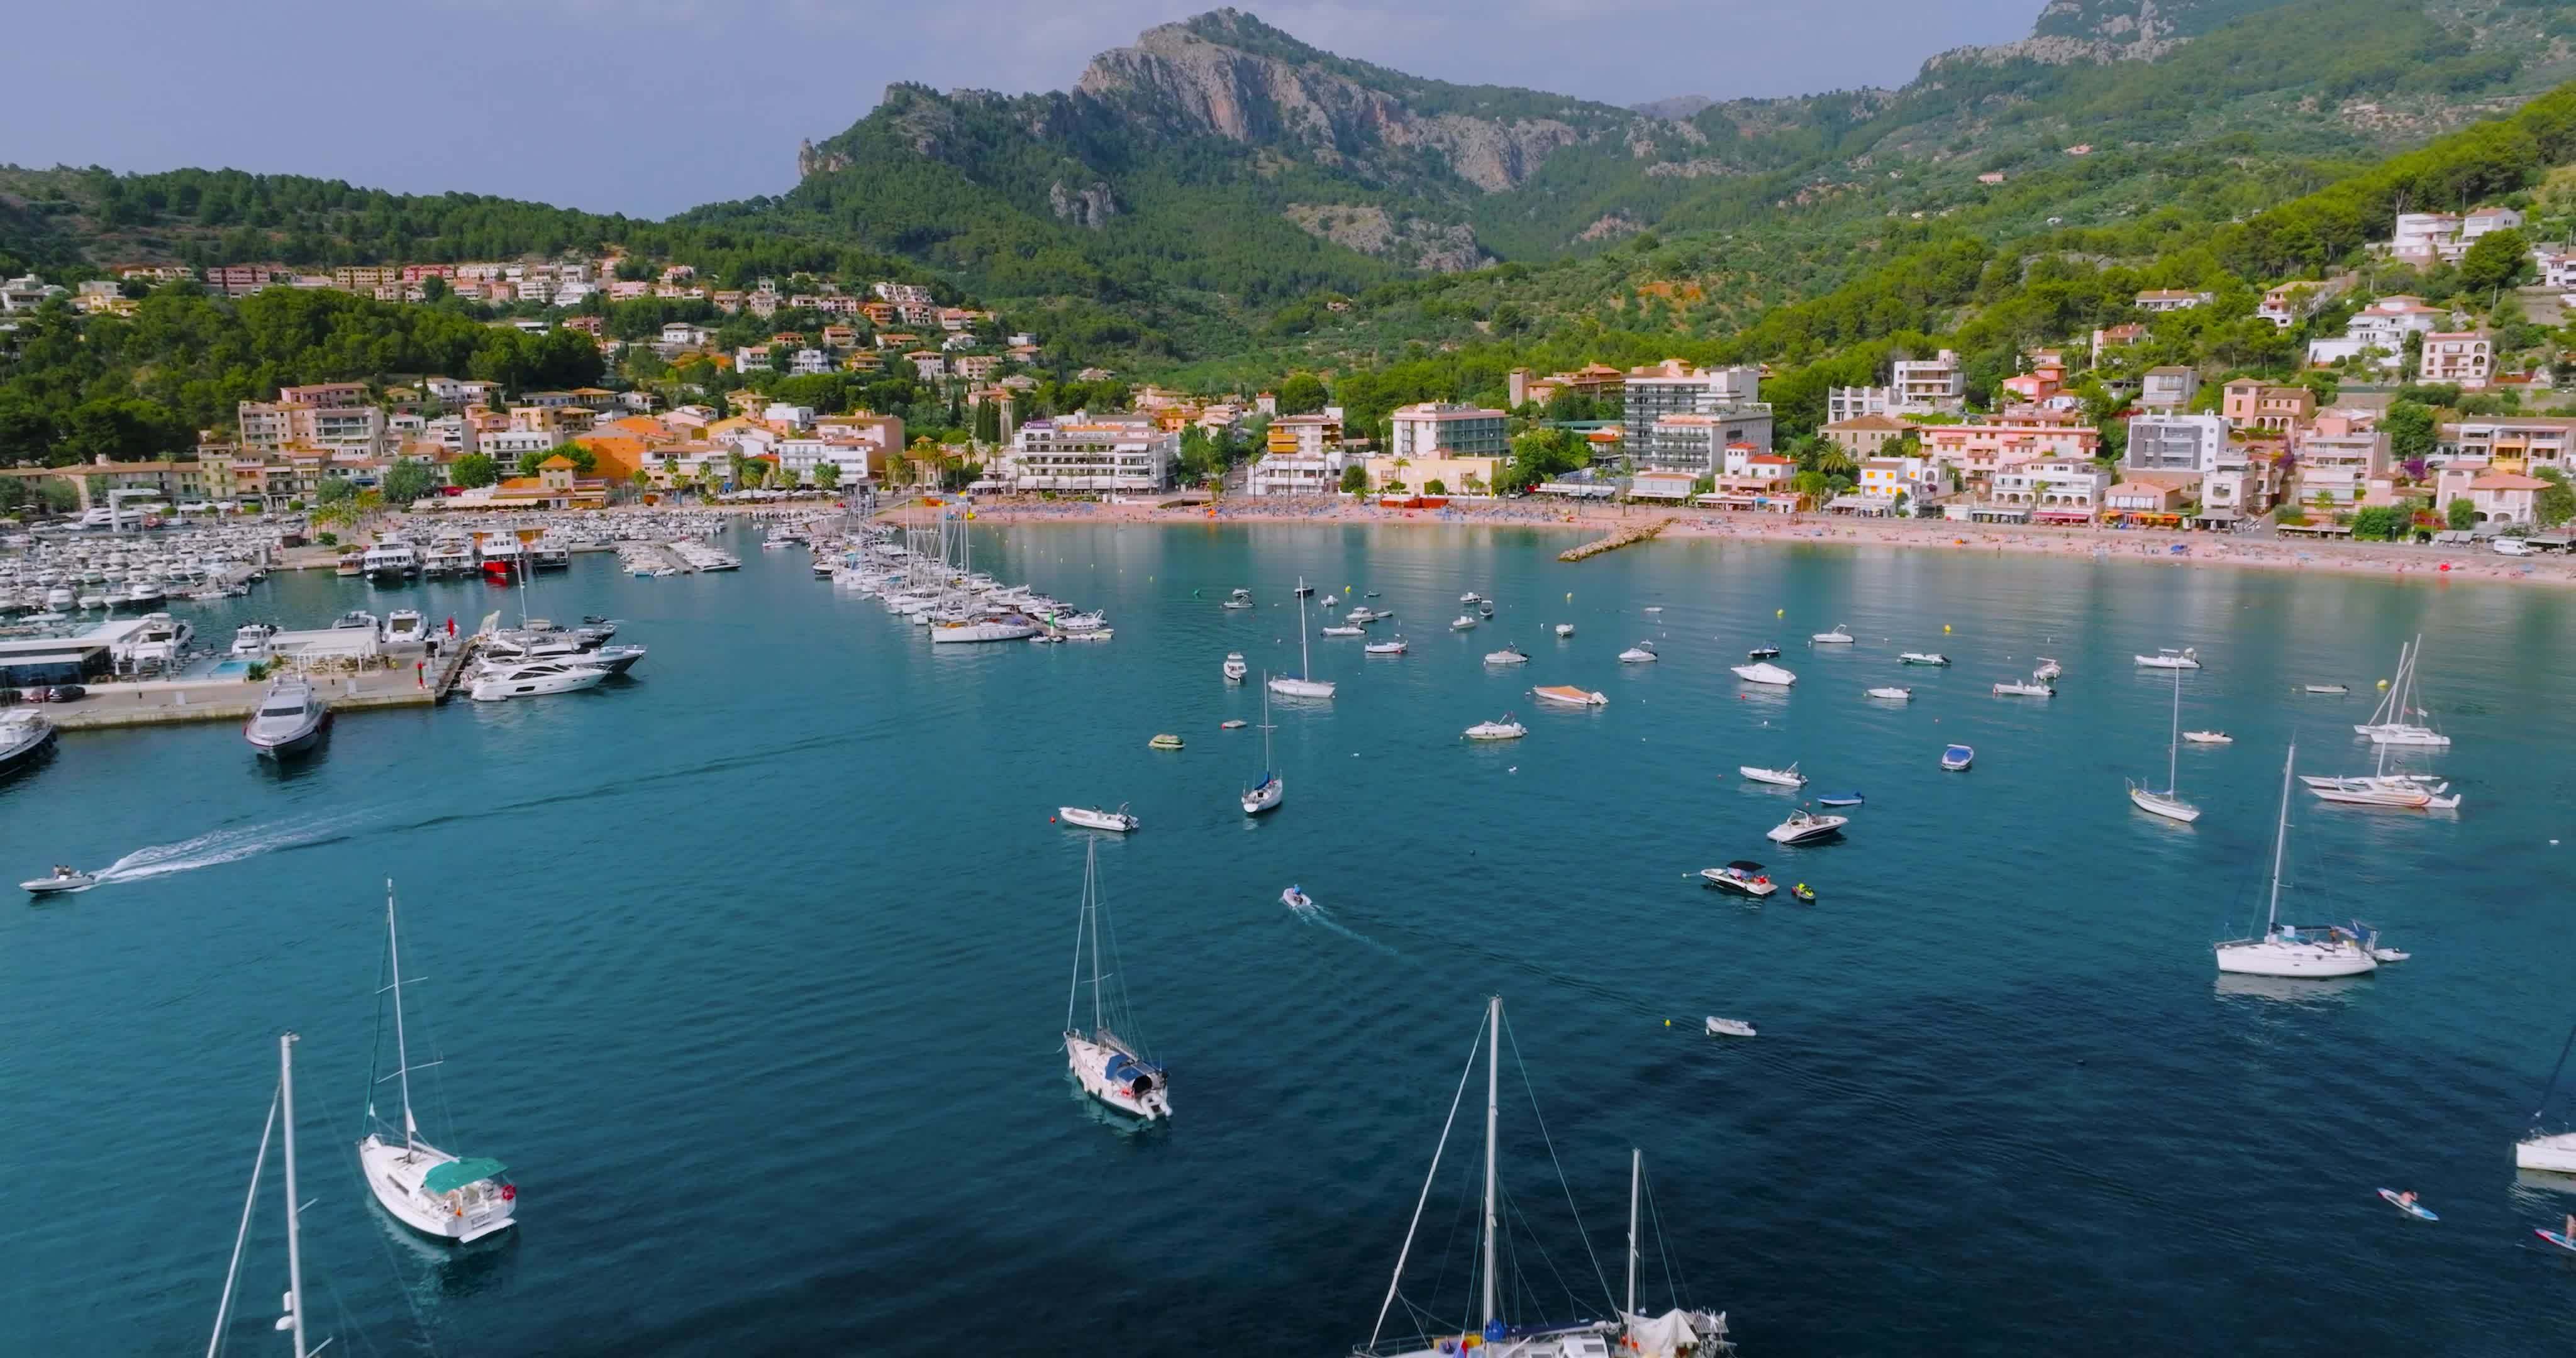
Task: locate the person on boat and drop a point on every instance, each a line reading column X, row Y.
column 2571, row 1227
column 2407, row 1198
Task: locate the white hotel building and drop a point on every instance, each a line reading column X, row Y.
column 1090, row 454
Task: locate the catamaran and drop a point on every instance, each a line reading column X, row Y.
column 2389, row 723
column 435, row 1193
column 1267, row 793
column 1106, row 1065
column 2289, row 950
column 2168, row 803
column 1305, row 685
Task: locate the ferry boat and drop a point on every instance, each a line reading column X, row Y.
column 391, row 561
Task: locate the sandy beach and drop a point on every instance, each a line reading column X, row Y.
column 2189, row 551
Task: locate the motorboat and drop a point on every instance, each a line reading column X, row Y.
column 356, row 619
column 1922, row 658
column 441, row 1195
column 1165, row 741
column 1108, row 1067
column 1364, row 614
column 1485, row 609
column 1241, row 598
column 1462, row 622
column 1764, row 652
column 1727, row 1027
column 1806, row 827
column 1788, row 777
column 404, row 627
column 1764, row 672
column 1093, row 818
column 1957, row 758
column 1643, row 653
column 2326, row 690
column 391, row 561
column 291, row 719
column 1343, row 631
column 1564, row 630
column 25, row 735
column 2554, row 1153
column 1840, row 799
column 1296, row 899
column 1235, row 668
column 1890, row 692
column 1390, row 646
column 1567, row 695
column 1743, row 877
column 1471, row 598
column 1506, row 729
column 2207, row 738
column 2033, row 687
column 614, row 659
column 532, row 679
column 250, row 640
column 1837, row 637
column 2170, row 659
column 2168, row 803
column 2049, row 670
column 1232, row 724
column 62, row 881
column 1011, row 627
column 350, row 563
column 2307, row 953
column 1509, row 655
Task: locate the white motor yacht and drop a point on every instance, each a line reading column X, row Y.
column 1235, row 668
column 1365, row 614
column 1643, row 653
column 1509, row 655
column 290, row 720
column 250, row 640
column 2049, row 670
column 1840, row 636
column 1339, row 630
column 1506, row 729
column 1462, row 622
column 1788, row 777
column 2207, row 738
column 2170, row 659
column 1806, row 827
column 1764, row 672
column 1727, row 1027
column 2290, row 950
column 24, row 735
column 1890, row 692
column 1564, row 630
column 391, row 561
column 531, row 679
column 1093, row 818
column 404, row 627
column 1241, row 598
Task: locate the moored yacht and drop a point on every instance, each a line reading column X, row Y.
column 444, row 1196
column 1806, row 827
column 2170, row 659
column 1764, row 672
column 391, row 561
column 532, row 678
column 289, row 720
column 250, row 640
column 1108, row 1067
column 24, row 735
column 2290, row 950
column 1235, row 668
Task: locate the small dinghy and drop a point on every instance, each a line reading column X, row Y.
column 2209, row 737
column 1726, row 1027
column 1892, row 693
column 1236, row 724
column 1093, row 818
column 1165, row 741
column 61, row 881
column 1296, row 900
column 2405, row 1202
column 1788, row 777
column 1840, row 799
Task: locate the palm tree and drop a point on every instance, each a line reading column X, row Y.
column 1833, row 460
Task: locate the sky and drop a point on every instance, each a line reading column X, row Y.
column 648, row 107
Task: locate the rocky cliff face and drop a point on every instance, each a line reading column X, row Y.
column 2072, row 31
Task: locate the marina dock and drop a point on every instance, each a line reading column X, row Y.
column 1625, row 537
column 170, row 702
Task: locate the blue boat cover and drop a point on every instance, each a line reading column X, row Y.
column 1122, row 1068
column 1957, row 750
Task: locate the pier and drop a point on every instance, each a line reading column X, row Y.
column 170, row 702
column 1625, row 537
column 451, row 667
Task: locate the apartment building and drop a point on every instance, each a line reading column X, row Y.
column 1302, row 455
column 1725, row 406
column 2251, row 404
column 2464, row 357
column 2054, row 490
column 2520, row 444
column 1082, row 452
column 2338, row 456
column 2175, row 443
column 1438, row 429
column 2169, row 388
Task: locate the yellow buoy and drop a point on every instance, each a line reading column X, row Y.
column 1779, row 612
column 1667, row 1022
column 1945, row 628
column 2383, row 683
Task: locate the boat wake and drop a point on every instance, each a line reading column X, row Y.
column 226, row 846
column 1314, row 914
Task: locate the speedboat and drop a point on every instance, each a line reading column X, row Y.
column 1643, row 653
column 1567, row 695
column 1506, row 729
column 1485, row 608
column 24, row 735
column 1788, row 777
column 614, row 659
column 1391, row 646
column 403, row 626
column 2208, row 738
column 1564, row 630
column 62, row 881
column 1806, row 827
column 1765, row 652
column 1462, row 622
column 1232, row 724
column 1743, row 876
column 1922, row 658
column 290, row 719
column 1364, row 614
column 1763, row 672
column 1344, row 631
column 1241, row 598
column 1839, row 799
column 1235, row 669
column 1471, row 598
column 1295, row 899
column 1957, row 758
column 1836, row 637
column 1509, row 655
column 2170, row 659
column 1093, row 818
column 2033, row 687
column 531, row 679
column 1727, row 1027
column 1892, row 693
column 2331, row 690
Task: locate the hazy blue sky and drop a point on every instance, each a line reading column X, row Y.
column 650, row 106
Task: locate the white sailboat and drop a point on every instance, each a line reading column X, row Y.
column 1106, row 1065
column 1677, row 1331
column 2552, row 1151
column 2168, row 803
column 281, row 1106
column 2391, row 722
column 1305, row 685
column 1267, row 793
column 435, row 1193
column 2287, row 950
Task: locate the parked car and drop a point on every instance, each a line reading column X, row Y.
column 65, row 693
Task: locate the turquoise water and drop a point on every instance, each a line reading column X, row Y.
column 753, row 968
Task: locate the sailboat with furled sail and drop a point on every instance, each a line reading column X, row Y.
column 1305, row 685
column 1492, row 1334
column 450, row 1197
column 1109, row 1068
column 2168, row 803
column 1266, row 794
column 2305, row 952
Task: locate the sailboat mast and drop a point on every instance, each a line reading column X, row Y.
column 2173, row 738
column 232, row 1273
column 1091, row 903
column 1636, row 1171
column 1493, row 1119
column 294, row 1239
column 1305, row 664
column 1081, row 923
column 402, row 1048
column 2280, row 843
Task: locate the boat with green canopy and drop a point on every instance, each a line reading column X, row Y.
column 450, row 1197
